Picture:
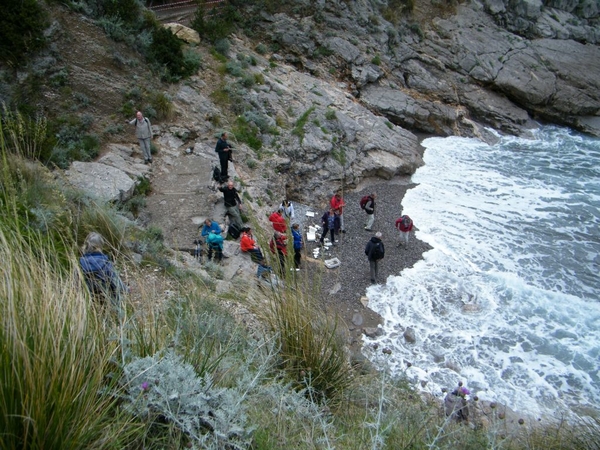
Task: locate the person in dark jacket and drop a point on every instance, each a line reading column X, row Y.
column 370, row 210
column 233, row 203
column 298, row 244
column 223, row 149
column 330, row 222
column 375, row 252
column 100, row 276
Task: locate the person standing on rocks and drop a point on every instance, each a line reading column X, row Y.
column 143, row 131
column 278, row 245
column 298, row 244
column 404, row 225
column 370, row 210
column 337, row 204
column 278, row 222
column 330, row 222
column 287, row 210
column 224, row 150
column 233, row 203
column 375, row 252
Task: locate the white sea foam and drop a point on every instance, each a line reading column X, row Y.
column 507, row 300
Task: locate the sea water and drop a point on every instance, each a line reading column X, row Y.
column 507, row 301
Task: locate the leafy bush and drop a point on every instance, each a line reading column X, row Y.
column 330, row 114
column 376, row 60
column 301, row 123
column 128, row 11
column 22, row 25
column 245, row 132
column 222, row 47
column 166, row 50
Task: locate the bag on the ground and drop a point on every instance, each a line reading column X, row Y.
column 216, row 175
column 406, row 222
column 234, row 231
column 364, row 201
column 376, row 251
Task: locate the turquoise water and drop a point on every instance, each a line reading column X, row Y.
column 508, row 299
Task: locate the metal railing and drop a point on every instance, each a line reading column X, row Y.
column 184, row 4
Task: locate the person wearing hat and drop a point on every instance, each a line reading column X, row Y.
column 298, row 244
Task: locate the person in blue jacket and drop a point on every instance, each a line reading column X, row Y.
column 298, row 244
column 99, row 273
column 214, row 244
column 210, row 225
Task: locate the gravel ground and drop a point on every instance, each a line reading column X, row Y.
column 343, row 287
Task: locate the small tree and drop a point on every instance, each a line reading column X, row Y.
column 22, row 25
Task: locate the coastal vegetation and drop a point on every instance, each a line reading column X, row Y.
column 181, row 371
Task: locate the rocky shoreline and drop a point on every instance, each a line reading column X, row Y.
column 344, row 288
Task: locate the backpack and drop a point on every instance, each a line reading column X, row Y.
column 406, row 222
column 216, row 175
column 234, row 231
column 364, row 201
column 376, row 251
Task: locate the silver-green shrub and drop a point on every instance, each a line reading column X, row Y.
column 165, row 388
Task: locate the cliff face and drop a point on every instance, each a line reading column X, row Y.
column 338, row 89
column 449, row 70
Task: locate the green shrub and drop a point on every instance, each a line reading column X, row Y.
column 301, row 123
column 166, row 50
column 376, row 60
column 222, row 47
column 247, row 133
column 261, row 49
column 128, row 11
column 330, row 114
column 22, row 25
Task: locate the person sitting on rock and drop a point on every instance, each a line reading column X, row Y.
column 100, row 276
column 248, row 245
column 214, row 244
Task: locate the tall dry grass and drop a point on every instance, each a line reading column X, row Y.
column 56, row 355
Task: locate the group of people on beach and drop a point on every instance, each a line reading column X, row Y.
column 104, row 282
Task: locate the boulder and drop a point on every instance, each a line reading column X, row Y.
column 184, row 33
column 100, row 181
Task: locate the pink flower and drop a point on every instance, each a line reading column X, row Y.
column 145, row 386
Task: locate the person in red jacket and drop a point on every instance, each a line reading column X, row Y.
column 278, row 244
column 404, row 225
column 278, row 222
column 248, row 245
column 337, row 204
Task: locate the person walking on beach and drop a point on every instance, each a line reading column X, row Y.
column 330, row 222
column 375, row 252
column 298, row 244
column 404, row 225
column 337, row 204
column 233, row 203
column 143, row 131
column 223, row 149
column 369, row 208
